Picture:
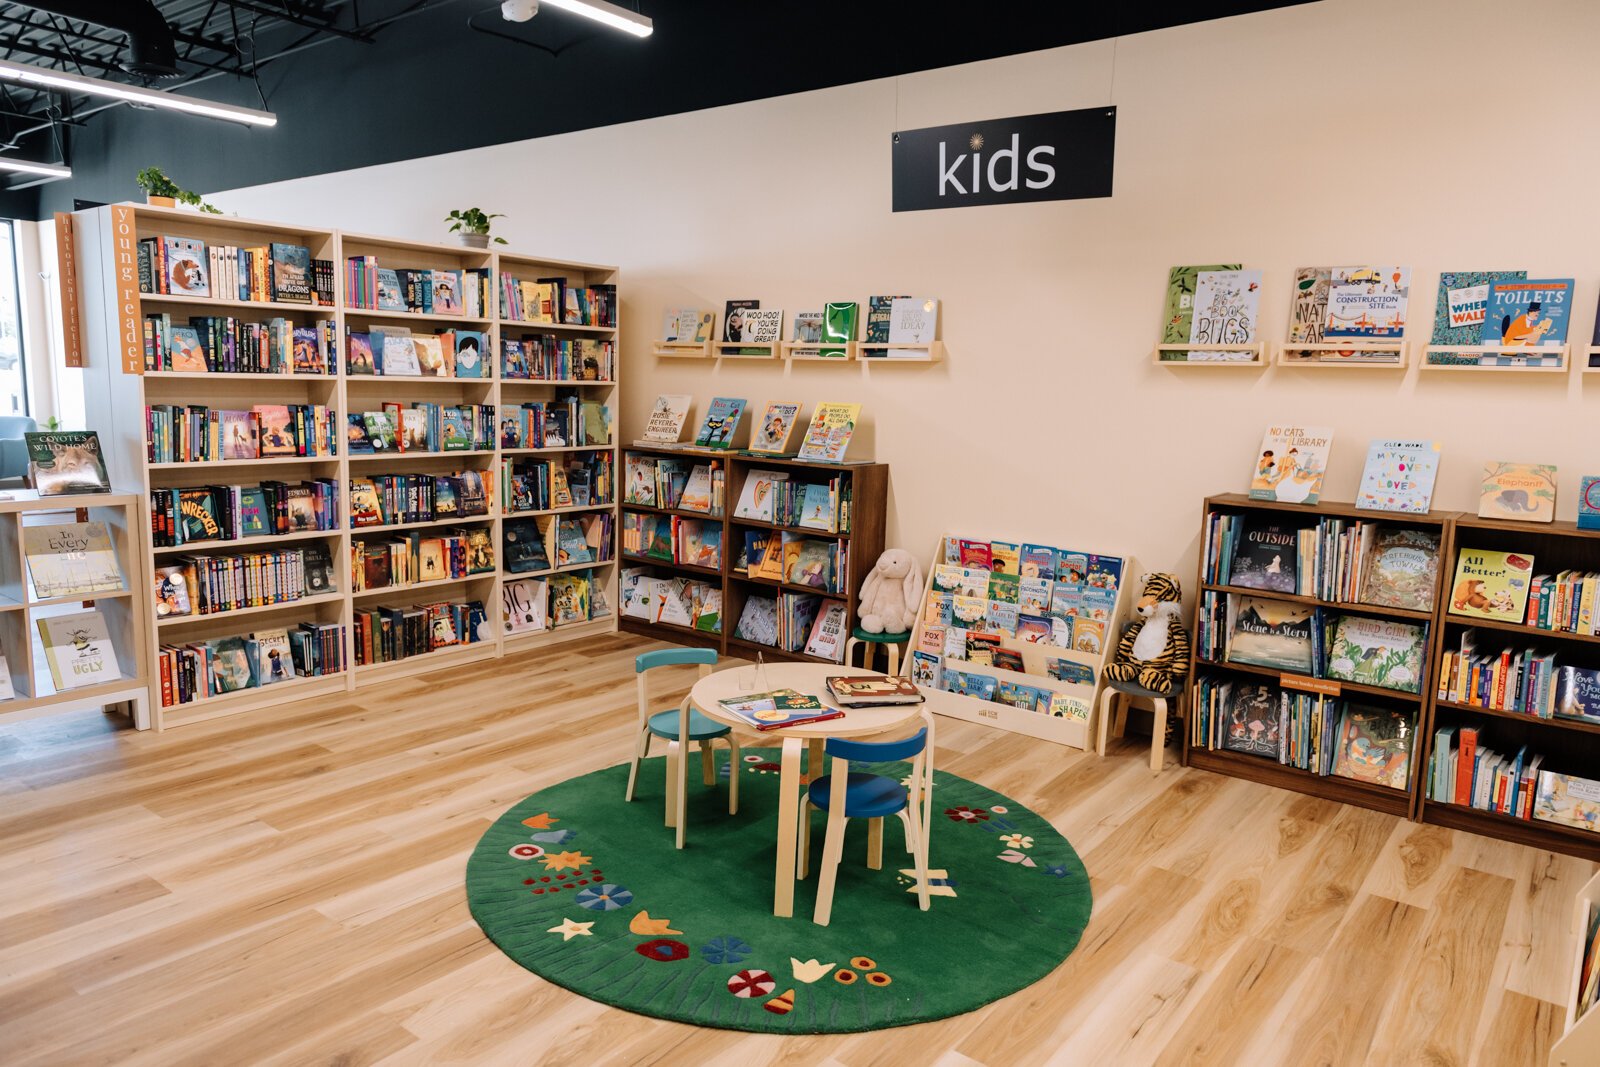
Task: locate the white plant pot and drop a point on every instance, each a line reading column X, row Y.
column 473, row 240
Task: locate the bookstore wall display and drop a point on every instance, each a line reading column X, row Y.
column 73, row 630
column 749, row 554
column 1017, row 634
column 885, row 329
column 1438, row 665
column 467, row 512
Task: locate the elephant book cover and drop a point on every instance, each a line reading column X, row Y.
column 1525, row 491
column 1491, row 585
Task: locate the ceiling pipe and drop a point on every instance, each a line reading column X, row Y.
column 151, row 52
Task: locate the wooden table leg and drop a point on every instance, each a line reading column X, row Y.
column 788, row 825
column 814, row 754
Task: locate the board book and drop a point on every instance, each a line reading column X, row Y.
column 780, row 709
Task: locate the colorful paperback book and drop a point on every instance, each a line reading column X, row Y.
column 1270, row 633
column 806, row 326
column 1525, row 491
column 721, row 423
column 78, row 650
column 733, row 318
column 1491, row 585
column 780, row 709
column 399, row 355
column 1399, row 476
column 1226, row 312
column 926, row 670
column 1250, row 721
column 1374, row 746
column 1291, row 463
column 389, row 291
column 241, row 437
column 1589, row 503
column 1569, row 800
column 1178, row 316
column 770, row 435
column 838, row 329
column 1037, row 561
column 187, row 269
column 828, row 437
column 879, row 311
column 687, row 325
column 1531, row 313
column 1463, row 303
column 71, row 559
column 1403, row 569
column 1308, row 305
column 63, row 463
column 1367, row 302
column 827, row 636
column 1265, row 555
column 274, row 661
column 188, row 355
column 1377, row 652
column 666, row 418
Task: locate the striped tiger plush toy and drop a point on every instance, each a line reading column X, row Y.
column 1154, row 651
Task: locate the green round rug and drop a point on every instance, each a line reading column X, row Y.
column 587, row 891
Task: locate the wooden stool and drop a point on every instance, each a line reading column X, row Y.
column 1114, row 701
column 870, row 642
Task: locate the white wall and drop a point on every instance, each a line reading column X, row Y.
column 1344, row 131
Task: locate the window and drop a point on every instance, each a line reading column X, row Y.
column 13, row 374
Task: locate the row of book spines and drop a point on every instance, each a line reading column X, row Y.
column 783, row 551
column 403, row 561
column 403, row 498
column 561, row 422
column 417, row 287
column 229, row 506
column 553, row 300
column 233, row 346
column 194, row 434
column 543, row 356
column 1308, row 725
column 1463, row 772
column 1214, row 639
column 1332, row 556
column 256, row 579
column 1524, row 681
column 234, row 273
column 393, row 425
column 701, row 601
column 387, row 635
column 1565, row 603
column 536, row 485
column 315, row 649
column 799, row 618
column 672, row 484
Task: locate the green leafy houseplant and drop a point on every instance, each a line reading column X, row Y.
column 473, row 227
column 157, row 185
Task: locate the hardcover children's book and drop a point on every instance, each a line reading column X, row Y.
column 71, row 559
column 1374, row 746
column 1528, row 313
column 770, row 435
column 358, row 355
column 826, row 639
column 721, row 423
column 446, row 286
column 838, row 328
column 1367, row 302
column 274, row 663
column 66, row 462
column 1291, row 463
column 1403, row 568
column 1226, row 312
column 879, row 310
column 240, row 436
column 926, row 670
column 1265, row 555
column 1308, row 305
column 172, row 590
column 1270, row 633
column 665, row 421
column 1037, row 561
column 1578, row 693
column 1377, row 652
column 762, row 326
column 1462, row 305
column 756, row 499
column 78, row 649
column 817, row 508
column 687, row 325
column 390, row 296
column 1399, row 476
column 1491, row 585
column 1250, row 721
column 187, row 270
column 430, row 355
column 291, row 284
column 733, row 318
column 806, row 326
column 1589, row 503
column 400, row 355
column 828, row 437
column 779, row 709
column 1525, row 491
column 188, row 355
column 758, row 622
column 1178, row 316
column 913, row 320
column 1569, row 800
column 569, row 599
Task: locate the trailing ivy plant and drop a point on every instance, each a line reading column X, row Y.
column 473, row 220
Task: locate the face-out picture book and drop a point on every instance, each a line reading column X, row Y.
column 1290, row 464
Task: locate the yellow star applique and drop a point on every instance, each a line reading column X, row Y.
column 645, row 926
column 569, row 930
column 564, row 861
column 542, row 821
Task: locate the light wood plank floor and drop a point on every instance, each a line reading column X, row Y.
column 286, row 888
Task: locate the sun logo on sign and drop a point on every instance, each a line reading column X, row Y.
column 975, row 142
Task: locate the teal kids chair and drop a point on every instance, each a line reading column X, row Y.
column 846, row 794
column 671, row 726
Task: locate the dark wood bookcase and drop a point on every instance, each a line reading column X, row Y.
column 869, row 487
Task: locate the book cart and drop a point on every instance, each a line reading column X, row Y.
column 1568, row 745
column 127, row 623
column 120, row 388
column 1255, row 768
column 869, row 483
column 1063, row 730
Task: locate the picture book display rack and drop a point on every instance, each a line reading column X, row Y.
column 1177, row 355
column 1074, row 731
column 127, row 624
column 1516, row 359
column 120, row 388
column 863, row 543
column 1581, row 1036
column 1350, row 353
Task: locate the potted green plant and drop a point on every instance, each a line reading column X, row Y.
column 162, row 191
column 471, row 227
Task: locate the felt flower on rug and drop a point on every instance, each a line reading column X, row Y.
column 645, row 926
column 1018, row 840
column 999, row 809
column 565, row 861
column 809, row 971
column 526, row 852
column 1011, row 855
column 966, row 814
column 750, row 984
column 542, row 821
column 727, row 949
column 1056, row 870
column 663, row 949
column 845, row 976
column 878, row 978
column 606, row 897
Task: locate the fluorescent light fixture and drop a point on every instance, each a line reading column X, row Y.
column 22, row 74
column 22, row 166
column 618, row 18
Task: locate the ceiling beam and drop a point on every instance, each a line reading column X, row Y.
column 288, row 15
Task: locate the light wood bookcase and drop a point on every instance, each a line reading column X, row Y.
column 117, row 396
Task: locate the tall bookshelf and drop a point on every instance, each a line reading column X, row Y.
column 869, row 483
column 118, row 390
column 1261, row 769
column 1568, row 745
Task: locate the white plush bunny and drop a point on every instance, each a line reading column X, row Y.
column 891, row 593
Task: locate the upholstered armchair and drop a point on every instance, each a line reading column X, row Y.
column 13, row 449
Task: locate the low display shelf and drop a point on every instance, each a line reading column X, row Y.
column 747, row 349
column 883, row 352
column 862, row 486
column 1515, row 359
column 812, row 350
column 1344, row 355
column 1178, row 355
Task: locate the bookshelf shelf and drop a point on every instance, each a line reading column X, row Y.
column 122, row 389
column 1330, row 355
column 1276, row 675
column 57, row 601
column 1336, row 605
column 174, row 621
column 681, row 349
column 734, row 349
column 809, row 351
column 787, row 587
column 1256, row 352
column 932, row 352
column 1535, row 833
column 1282, row 776
column 1562, row 356
column 1532, row 633
column 552, row 450
column 1591, row 364
column 568, row 569
column 1517, row 716
column 868, row 483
